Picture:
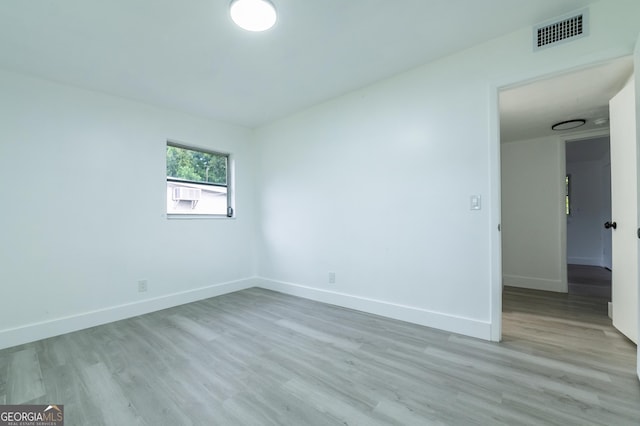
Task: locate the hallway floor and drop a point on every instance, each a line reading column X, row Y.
column 586, row 280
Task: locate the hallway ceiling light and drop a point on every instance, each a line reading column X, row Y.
column 253, row 15
column 569, row 124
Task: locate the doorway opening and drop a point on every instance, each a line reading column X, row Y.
column 536, row 247
column 587, row 209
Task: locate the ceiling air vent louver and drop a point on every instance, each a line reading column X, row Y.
column 560, row 30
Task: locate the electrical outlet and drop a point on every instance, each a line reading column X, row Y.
column 332, row 277
column 142, row 286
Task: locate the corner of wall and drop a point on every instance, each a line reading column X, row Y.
column 438, row 320
column 46, row 329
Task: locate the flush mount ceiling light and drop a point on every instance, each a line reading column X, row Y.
column 253, row 15
column 569, row 124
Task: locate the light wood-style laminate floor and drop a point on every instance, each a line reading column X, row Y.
column 256, row 357
column 587, row 280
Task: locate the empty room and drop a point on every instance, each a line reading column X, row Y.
column 279, row 212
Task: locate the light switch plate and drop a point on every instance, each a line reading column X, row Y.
column 476, row 202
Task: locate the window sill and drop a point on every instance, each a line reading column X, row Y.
column 172, row 216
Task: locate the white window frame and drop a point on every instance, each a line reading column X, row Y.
column 230, row 186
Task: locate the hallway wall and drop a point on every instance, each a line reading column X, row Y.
column 590, row 200
column 533, row 219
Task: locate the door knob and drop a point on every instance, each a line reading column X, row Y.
column 610, row 225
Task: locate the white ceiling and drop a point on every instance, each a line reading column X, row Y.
column 188, row 55
column 529, row 111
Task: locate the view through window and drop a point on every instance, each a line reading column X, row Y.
column 197, row 182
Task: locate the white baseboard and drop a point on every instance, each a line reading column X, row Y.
column 589, row 261
column 534, row 283
column 451, row 323
column 42, row 330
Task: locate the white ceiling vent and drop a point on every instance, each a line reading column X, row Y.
column 561, row 30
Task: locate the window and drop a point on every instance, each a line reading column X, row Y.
column 197, row 182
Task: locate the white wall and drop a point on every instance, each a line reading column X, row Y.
column 83, row 217
column 585, row 228
column 375, row 185
column 533, row 218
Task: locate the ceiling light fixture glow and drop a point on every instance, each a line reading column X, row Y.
column 253, row 15
column 569, row 124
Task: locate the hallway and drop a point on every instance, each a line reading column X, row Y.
column 586, row 280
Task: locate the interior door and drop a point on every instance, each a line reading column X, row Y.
column 624, row 211
column 636, row 63
column 606, row 215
